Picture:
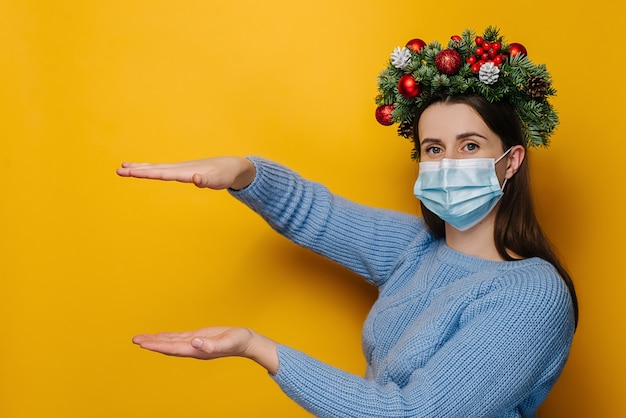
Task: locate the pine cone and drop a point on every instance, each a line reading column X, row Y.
column 405, row 130
column 400, row 57
column 537, row 87
column 488, row 73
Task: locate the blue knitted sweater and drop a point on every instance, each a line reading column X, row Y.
column 450, row 335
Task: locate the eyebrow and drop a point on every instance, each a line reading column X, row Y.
column 459, row 137
column 470, row 134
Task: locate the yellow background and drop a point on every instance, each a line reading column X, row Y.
column 89, row 259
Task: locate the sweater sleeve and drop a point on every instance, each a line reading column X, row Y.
column 502, row 361
column 366, row 240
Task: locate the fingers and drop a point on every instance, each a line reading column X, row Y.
column 184, row 172
column 127, row 167
column 155, row 172
column 200, row 181
column 162, row 336
column 213, row 347
column 127, row 164
column 172, row 344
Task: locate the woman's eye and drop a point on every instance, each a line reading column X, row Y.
column 471, row 147
column 433, row 150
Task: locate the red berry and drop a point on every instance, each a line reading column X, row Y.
column 479, row 40
column 455, row 37
column 471, row 59
column 476, row 67
column 484, row 56
column 479, row 51
column 497, row 46
column 497, row 59
column 486, row 45
column 492, row 52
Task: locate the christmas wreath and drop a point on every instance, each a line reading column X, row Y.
column 470, row 64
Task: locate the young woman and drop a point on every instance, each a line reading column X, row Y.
column 475, row 315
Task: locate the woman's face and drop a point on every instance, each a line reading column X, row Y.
column 456, row 131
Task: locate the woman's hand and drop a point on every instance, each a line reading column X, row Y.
column 213, row 173
column 212, row 343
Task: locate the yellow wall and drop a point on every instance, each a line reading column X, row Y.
column 89, row 259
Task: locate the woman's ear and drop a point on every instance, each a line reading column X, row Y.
column 514, row 161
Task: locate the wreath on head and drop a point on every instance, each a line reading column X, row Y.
column 470, row 64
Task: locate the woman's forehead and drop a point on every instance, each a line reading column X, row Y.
column 445, row 120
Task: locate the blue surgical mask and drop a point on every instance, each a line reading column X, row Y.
column 461, row 192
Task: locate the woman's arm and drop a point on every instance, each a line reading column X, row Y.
column 366, row 240
column 369, row 241
column 501, row 361
column 497, row 356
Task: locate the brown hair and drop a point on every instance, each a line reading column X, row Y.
column 516, row 226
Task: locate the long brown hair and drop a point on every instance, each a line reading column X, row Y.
column 517, row 229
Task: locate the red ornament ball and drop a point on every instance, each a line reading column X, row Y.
column 448, row 61
column 383, row 115
column 515, row 49
column 415, row 44
column 408, row 86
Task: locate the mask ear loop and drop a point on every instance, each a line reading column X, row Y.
column 503, row 155
column 497, row 161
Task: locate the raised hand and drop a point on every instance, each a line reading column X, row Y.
column 213, row 173
column 213, row 343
